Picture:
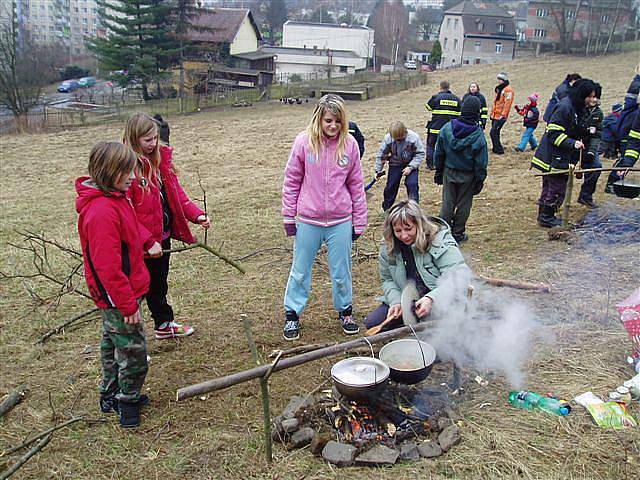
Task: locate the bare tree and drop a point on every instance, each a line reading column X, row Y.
column 25, row 69
column 565, row 17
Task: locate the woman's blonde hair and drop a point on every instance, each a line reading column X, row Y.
column 108, row 161
column 140, row 125
column 335, row 105
column 409, row 212
column 397, row 130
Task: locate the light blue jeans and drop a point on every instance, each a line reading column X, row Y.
column 527, row 137
column 309, row 239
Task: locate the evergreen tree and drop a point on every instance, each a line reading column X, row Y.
column 436, row 54
column 139, row 39
column 276, row 16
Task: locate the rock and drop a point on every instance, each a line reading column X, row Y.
column 87, row 350
column 429, row 450
column 290, row 425
column 318, row 443
column 302, row 437
column 409, row 452
column 339, row 454
column 277, row 432
column 452, row 414
column 296, row 404
column 444, row 422
column 377, row 456
column 449, row 437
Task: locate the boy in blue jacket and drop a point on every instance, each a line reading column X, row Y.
column 461, row 160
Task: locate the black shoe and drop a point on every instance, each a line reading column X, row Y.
column 110, row 404
column 587, row 203
column 129, row 414
column 609, row 189
column 349, row 325
column 518, row 149
column 461, row 237
column 547, row 217
column 291, row 329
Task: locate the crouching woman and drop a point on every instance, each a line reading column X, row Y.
column 416, row 248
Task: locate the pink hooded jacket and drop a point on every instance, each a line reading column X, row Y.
column 322, row 191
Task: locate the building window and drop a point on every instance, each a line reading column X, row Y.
column 605, row 18
column 448, row 22
column 477, row 46
column 539, row 33
column 446, row 40
column 455, row 23
column 84, row 9
column 498, row 47
column 455, row 44
column 480, row 26
column 343, row 69
column 466, row 62
column 75, row 10
column 85, row 21
column 86, row 31
column 542, row 12
column 571, row 14
column 501, row 27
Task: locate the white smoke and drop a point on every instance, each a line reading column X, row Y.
column 492, row 331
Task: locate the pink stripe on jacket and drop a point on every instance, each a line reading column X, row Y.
column 320, row 191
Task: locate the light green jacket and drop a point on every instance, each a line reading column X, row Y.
column 443, row 255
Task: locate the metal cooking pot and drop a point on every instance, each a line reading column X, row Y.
column 409, row 360
column 626, row 190
column 359, row 377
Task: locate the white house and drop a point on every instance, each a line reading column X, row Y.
column 312, row 64
column 322, row 36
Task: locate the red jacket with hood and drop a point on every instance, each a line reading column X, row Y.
column 113, row 255
column 148, row 203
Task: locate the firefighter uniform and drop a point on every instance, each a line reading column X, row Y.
column 443, row 106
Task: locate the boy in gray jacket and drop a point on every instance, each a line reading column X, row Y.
column 404, row 151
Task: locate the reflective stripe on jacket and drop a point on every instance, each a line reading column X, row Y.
column 443, row 107
column 557, row 147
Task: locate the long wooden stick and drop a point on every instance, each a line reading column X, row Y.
column 257, row 372
column 264, row 388
column 38, row 436
column 587, row 170
column 501, row 282
column 567, row 197
column 24, row 459
column 211, row 250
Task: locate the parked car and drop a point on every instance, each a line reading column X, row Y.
column 87, row 81
column 410, row 65
column 68, row 86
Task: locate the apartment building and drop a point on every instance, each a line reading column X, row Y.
column 67, row 23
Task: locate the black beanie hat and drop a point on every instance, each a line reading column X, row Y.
column 470, row 110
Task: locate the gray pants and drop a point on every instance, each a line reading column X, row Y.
column 457, row 196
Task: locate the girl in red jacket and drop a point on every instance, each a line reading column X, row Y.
column 163, row 209
column 116, row 276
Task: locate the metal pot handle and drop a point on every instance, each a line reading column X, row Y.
column 373, row 355
column 424, row 361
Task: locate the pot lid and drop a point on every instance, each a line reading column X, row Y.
column 360, row 371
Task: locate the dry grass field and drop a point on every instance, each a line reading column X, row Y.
column 240, row 156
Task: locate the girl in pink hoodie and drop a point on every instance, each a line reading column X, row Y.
column 323, row 201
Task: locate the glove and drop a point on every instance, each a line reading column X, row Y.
column 437, row 178
column 354, row 236
column 290, row 229
column 477, row 186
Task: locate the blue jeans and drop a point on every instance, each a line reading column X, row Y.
column 527, row 137
column 309, row 239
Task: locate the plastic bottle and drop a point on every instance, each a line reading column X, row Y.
column 533, row 401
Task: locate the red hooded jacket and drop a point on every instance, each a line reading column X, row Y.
column 113, row 255
column 148, row 203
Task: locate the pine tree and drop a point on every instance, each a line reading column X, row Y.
column 436, row 54
column 139, row 40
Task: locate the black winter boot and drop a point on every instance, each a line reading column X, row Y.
column 129, row 414
column 110, row 403
column 547, row 217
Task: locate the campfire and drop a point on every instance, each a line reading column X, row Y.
column 401, row 422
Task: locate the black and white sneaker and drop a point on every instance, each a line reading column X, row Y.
column 349, row 325
column 291, row 329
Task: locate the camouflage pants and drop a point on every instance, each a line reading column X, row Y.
column 123, row 351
